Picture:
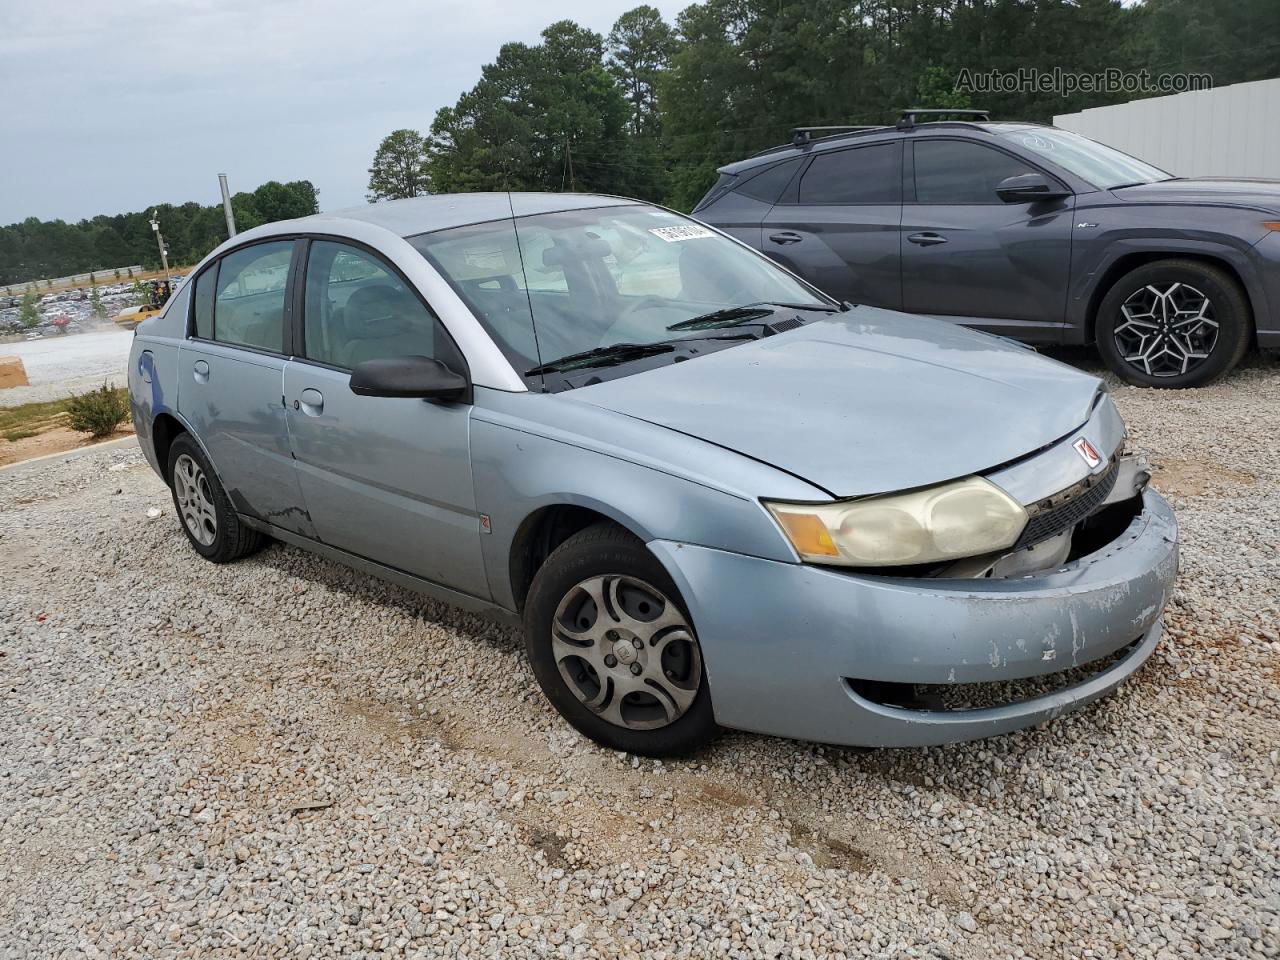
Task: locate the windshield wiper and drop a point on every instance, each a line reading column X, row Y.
column 733, row 316
column 601, row 357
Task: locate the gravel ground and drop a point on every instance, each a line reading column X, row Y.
column 282, row 758
column 60, row 366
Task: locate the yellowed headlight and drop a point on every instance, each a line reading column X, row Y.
column 964, row 518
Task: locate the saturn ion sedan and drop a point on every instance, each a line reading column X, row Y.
column 710, row 495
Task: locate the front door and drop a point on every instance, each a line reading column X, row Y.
column 970, row 257
column 231, row 375
column 384, row 478
column 839, row 230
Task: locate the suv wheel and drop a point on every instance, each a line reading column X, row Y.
column 202, row 506
column 614, row 649
column 1173, row 323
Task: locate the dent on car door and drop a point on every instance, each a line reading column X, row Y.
column 838, row 227
column 230, row 377
column 969, row 256
column 387, row 478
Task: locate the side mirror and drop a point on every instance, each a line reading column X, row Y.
column 408, row 377
column 1028, row 188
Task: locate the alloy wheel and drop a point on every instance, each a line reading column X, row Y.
column 1166, row 331
column 626, row 651
column 195, row 500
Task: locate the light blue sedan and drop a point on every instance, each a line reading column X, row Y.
column 712, row 496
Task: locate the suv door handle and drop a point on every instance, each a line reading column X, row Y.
column 785, row 237
column 311, row 402
column 927, row 239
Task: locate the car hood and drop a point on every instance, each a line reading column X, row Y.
column 865, row 402
column 1264, row 194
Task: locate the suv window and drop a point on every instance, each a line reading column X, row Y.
column 861, row 175
column 958, row 171
column 248, row 309
column 356, row 308
column 768, row 185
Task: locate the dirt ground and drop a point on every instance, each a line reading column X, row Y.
column 57, row 440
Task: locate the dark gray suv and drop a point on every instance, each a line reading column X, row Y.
column 1020, row 229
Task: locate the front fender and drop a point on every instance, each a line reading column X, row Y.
column 519, row 472
column 1096, row 259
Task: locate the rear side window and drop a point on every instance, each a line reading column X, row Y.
column 205, row 284
column 957, row 171
column 248, row 308
column 768, row 186
column 864, row 175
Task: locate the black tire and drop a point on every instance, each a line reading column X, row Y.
column 1229, row 309
column 230, row 539
column 606, row 550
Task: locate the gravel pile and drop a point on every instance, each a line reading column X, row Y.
column 283, row 758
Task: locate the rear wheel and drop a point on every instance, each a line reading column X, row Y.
column 206, row 515
column 1174, row 323
column 614, row 649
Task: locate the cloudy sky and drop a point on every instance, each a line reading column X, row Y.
column 106, row 107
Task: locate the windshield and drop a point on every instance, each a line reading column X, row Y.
column 1089, row 160
column 558, row 284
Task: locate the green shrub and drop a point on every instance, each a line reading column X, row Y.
column 98, row 412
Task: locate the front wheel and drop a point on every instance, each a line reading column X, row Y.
column 1173, row 323
column 614, row 649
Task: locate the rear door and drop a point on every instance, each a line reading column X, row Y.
column 231, row 376
column 384, row 478
column 970, row 257
column 740, row 211
column 838, row 226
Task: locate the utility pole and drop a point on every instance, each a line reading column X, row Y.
column 568, row 149
column 164, row 253
column 226, row 206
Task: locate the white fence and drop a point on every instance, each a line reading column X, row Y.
column 108, row 275
column 1224, row 132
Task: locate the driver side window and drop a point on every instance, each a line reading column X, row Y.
column 356, row 309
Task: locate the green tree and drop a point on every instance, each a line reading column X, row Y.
column 284, row 201
column 28, row 314
column 542, row 117
column 96, row 305
column 639, row 51
column 399, row 168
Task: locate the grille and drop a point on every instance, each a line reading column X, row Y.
column 957, row 697
column 1052, row 515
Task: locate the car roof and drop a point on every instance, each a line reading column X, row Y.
column 407, row 218
column 870, row 135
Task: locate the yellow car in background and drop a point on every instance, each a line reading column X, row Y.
column 159, row 295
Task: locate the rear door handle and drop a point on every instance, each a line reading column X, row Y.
column 200, row 369
column 310, row 401
column 927, row 239
column 785, row 237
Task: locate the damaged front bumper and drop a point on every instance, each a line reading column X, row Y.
column 821, row 654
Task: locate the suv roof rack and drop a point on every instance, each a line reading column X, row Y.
column 803, row 135
column 907, row 120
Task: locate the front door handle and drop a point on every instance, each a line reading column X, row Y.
column 927, row 239
column 785, row 237
column 310, row 401
column 200, row 370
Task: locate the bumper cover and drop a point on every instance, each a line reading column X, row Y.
column 780, row 639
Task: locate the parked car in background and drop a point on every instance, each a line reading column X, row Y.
column 710, row 495
column 1024, row 230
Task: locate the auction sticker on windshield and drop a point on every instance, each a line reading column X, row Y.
column 676, row 234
